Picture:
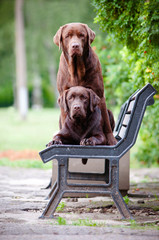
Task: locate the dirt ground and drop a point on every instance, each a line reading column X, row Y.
column 22, row 201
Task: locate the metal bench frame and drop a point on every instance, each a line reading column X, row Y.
column 126, row 131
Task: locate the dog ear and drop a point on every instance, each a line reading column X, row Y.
column 62, row 101
column 57, row 39
column 91, row 34
column 94, row 100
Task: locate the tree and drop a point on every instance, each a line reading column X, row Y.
column 135, row 24
column 132, row 29
column 21, row 86
column 7, row 61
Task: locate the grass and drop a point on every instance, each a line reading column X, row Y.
column 79, row 222
column 126, row 199
column 86, row 222
column 131, row 224
column 25, row 163
column 60, row 207
column 33, row 133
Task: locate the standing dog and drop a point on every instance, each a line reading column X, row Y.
column 80, row 66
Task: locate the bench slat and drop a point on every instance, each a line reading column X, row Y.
column 126, row 119
column 131, row 106
column 122, row 132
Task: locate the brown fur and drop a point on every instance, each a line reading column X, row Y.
column 83, row 124
column 80, row 66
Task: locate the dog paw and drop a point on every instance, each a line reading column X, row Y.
column 57, row 142
column 54, row 142
column 87, row 142
column 111, row 140
column 49, row 144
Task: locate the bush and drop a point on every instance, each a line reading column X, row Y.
column 135, row 24
column 129, row 57
column 7, row 61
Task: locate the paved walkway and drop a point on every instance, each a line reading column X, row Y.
column 22, row 201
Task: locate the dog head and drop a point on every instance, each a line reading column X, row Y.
column 79, row 102
column 73, row 38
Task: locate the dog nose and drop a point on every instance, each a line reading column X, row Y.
column 76, row 107
column 75, row 45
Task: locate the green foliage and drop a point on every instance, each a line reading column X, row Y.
column 61, row 207
column 126, row 199
column 135, row 24
column 61, row 221
column 85, row 222
column 148, row 150
column 25, row 163
column 115, row 71
column 79, row 222
column 129, row 58
column 133, row 224
column 7, row 61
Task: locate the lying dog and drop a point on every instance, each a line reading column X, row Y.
column 80, row 66
column 83, row 124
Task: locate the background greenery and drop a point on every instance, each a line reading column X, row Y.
column 128, row 48
column 7, row 58
column 42, row 19
column 130, row 59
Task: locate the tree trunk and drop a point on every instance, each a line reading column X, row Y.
column 21, row 82
column 37, row 92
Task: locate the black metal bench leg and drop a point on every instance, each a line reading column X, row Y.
column 57, row 192
column 121, row 205
column 52, row 191
column 52, row 204
column 115, row 193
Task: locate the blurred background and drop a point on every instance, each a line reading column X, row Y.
column 127, row 44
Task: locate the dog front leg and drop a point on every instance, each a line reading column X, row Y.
column 98, row 139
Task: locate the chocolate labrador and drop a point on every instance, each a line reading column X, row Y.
column 80, row 66
column 83, row 124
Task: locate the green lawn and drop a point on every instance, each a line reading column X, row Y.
column 33, row 133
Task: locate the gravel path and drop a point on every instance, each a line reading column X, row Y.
column 22, row 200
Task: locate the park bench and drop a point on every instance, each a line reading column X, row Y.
column 126, row 131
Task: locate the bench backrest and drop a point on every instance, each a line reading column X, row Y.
column 132, row 112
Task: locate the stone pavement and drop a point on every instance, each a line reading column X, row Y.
column 22, row 200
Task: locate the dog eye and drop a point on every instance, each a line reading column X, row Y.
column 82, row 97
column 71, row 97
column 67, row 36
column 81, row 35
